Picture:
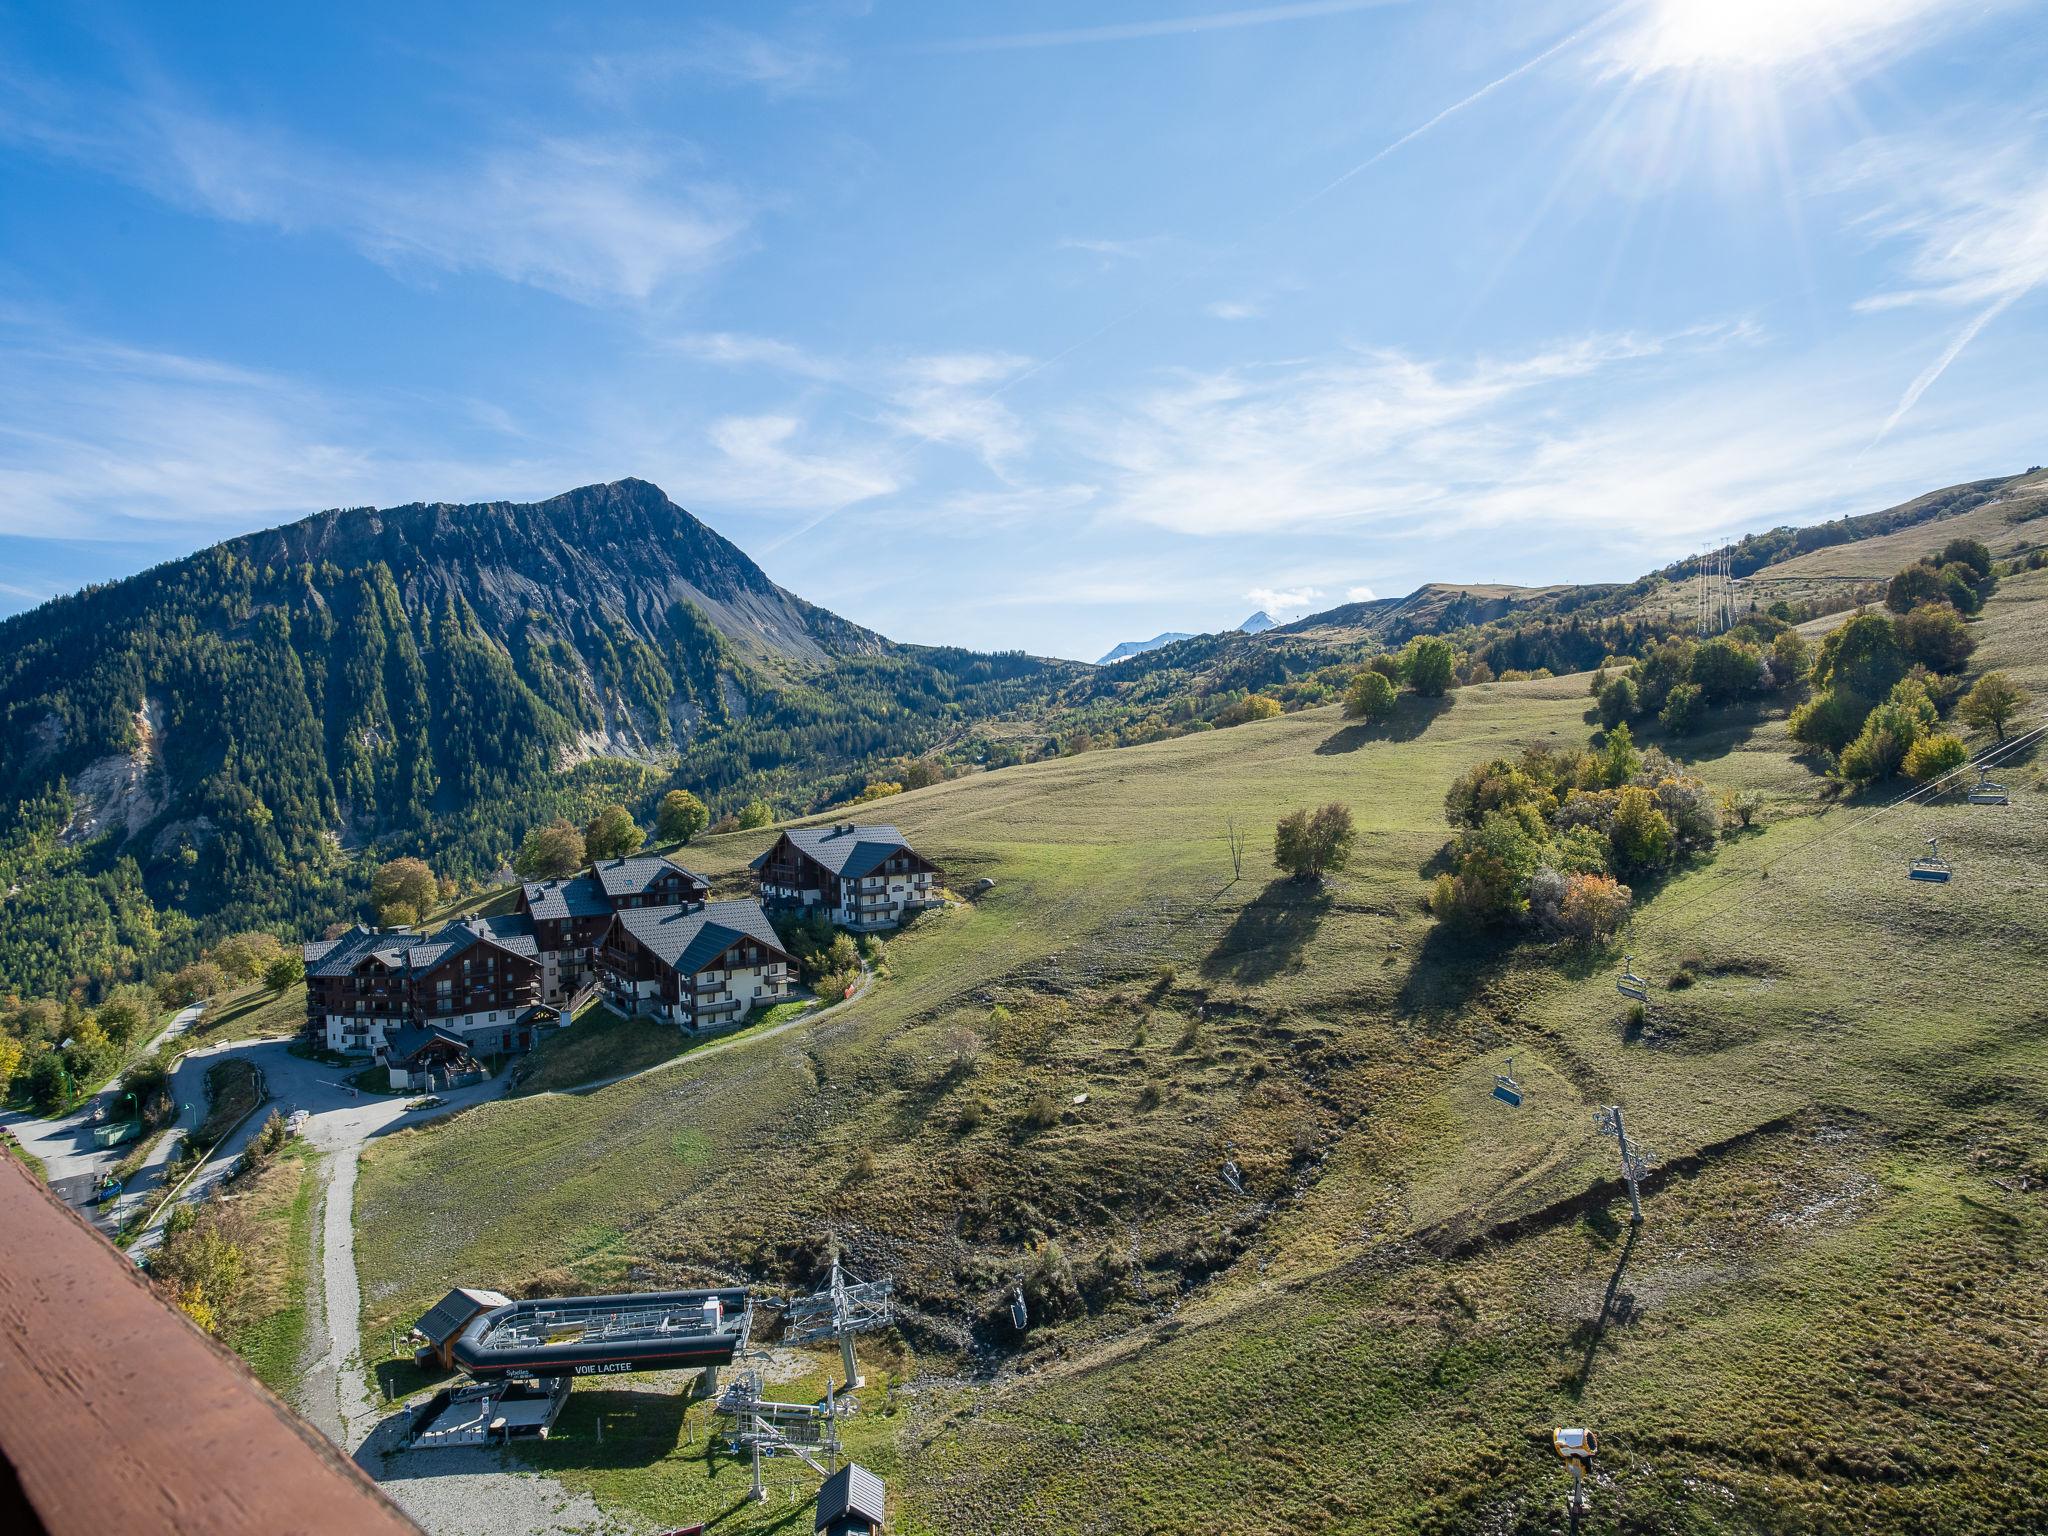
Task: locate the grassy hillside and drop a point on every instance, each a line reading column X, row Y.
column 1833, row 1320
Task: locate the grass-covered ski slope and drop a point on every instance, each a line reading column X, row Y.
column 1835, row 1319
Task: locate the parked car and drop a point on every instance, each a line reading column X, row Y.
column 431, row 1101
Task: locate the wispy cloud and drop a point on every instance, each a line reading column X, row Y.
column 946, row 398
column 1328, row 441
column 98, row 438
column 782, row 66
column 593, row 219
column 1282, row 601
column 1234, row 309
column 1974, row 226
column 776, row 462
column 1111, row 251
column 1625, row 443
column 1167, row 26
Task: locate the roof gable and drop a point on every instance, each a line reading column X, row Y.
column 639, row 873
column 845, row 849
column 687, row 939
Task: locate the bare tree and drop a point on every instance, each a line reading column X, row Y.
column 1236, row 835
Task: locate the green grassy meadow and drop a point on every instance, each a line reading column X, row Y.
column 1835, row 1318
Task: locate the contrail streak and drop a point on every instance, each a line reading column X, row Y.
column 1940, row 365
column 1172, row 26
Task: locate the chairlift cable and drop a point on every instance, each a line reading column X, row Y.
column 1990, row 758
column 1857, row 821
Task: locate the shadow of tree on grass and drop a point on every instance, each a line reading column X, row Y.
column 1411, row 717
column 1271, row 933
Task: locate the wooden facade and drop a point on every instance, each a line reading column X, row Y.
column 863, row 878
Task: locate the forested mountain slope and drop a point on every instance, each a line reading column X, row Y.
column 219, row 738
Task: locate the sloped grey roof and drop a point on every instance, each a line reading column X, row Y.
column 408, row 1040
column 338, row 957
column 689, row 938
column 410, row 952
column 577, row 896
column 456, row 1308
column 509, row 930
column 848, row 851
column 851, row 1493
column 632, row 876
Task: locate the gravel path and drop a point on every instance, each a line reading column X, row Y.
column 449, row 1492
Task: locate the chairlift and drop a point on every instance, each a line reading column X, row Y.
column 1932, row 867
column 1232, row 1177
column 1020, row 1315
column 1505, row 1087
column 1630, row 984
column 1988, row 791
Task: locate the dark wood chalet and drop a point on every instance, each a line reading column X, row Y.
column 701, row 967
column 569, row 917
column 478, row 980
column 860, row 877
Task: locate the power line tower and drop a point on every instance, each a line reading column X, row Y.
column 839, row 1311
column 1635, row 1161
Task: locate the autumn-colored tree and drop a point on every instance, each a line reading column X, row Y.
column 1370, row 697
column 612, row 834
column 244, row 955
column 403, row 891
column 1309, row 844
column 1993, row 703
column 552, row 852
column 681, row 817
column 286, row 970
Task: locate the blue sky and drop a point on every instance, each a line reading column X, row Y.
column 1039, row 326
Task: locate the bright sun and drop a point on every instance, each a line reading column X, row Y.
column 1766, row 34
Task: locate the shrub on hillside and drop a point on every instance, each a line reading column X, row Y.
column 1681, row 710
column 1542, row 836
column 1430, row 664
column 1253, row 706
column 1935, row 636
column 1309, row 844
column 1993, row 704
column 190, row 984
column 612, row 834
column 1370, row 697
column 1617, row 700
column 1791, row 658
column 1889, row 732
column 1934, row 755
column 1916, row 584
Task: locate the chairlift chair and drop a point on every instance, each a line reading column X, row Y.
column 1932, row 867
column 1630, row 984
column 1505, row 1086
column 1988, row 791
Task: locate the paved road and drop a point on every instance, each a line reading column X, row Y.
column 65, row 1144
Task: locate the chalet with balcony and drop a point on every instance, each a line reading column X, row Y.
column 700, row 967
column 569, row 917
column 862, row 878
column 478, row 981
